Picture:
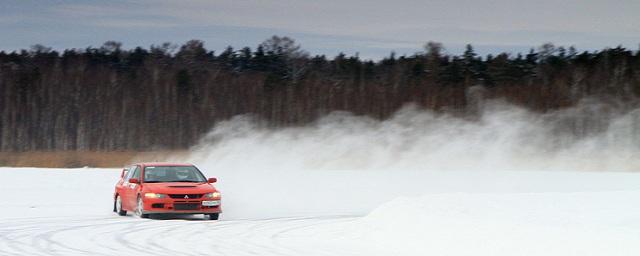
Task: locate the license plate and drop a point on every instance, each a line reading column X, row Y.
column 210, row 203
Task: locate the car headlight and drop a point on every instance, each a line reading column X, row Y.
column 215, row 195
column 154, row 195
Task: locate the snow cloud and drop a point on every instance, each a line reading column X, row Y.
column 414, row 152
column 589, row 137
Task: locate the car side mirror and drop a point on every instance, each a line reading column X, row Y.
column 212, row 180
column 134, row 180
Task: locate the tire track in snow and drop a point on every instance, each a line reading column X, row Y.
column 110, row 235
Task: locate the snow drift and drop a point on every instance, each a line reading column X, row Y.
column 580, row 223
column 68, row 212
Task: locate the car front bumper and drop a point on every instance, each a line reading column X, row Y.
column 170, row 205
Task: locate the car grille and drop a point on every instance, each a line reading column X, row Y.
column 182, row 196
column 182, row 207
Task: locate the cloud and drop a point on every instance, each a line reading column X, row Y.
column 405, row 21
column 373, row 17
column 9, row 19
column 372, row 28
column 115, row 16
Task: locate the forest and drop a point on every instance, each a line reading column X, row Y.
column 168, row 96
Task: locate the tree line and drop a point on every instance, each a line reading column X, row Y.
column 167, row 97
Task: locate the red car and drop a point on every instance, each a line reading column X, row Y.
column 157, row 188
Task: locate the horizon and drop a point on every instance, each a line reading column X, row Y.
column 479, row 52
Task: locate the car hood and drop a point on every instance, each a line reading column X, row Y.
column 179, row 188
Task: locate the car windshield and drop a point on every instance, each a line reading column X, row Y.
column 156, row 174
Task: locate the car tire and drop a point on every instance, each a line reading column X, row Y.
column 117, row 206
column 214, row 216
column 139, row 207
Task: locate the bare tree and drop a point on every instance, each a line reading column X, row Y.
column 283, row 46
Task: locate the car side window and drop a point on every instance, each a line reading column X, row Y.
column 136, row 173
column 129, row 173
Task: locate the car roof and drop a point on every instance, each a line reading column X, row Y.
column 163, row 164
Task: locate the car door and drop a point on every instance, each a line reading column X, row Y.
column 120, row 183
column 123, row 190
column 131, row 189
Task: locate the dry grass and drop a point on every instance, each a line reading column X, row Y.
column 74, row 159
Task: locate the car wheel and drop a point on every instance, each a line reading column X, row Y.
column 214, row 216
column 139, row 209
column 118, row 206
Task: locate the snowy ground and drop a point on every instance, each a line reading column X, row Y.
column 68, row 212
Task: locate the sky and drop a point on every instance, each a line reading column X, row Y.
column 372, row 29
